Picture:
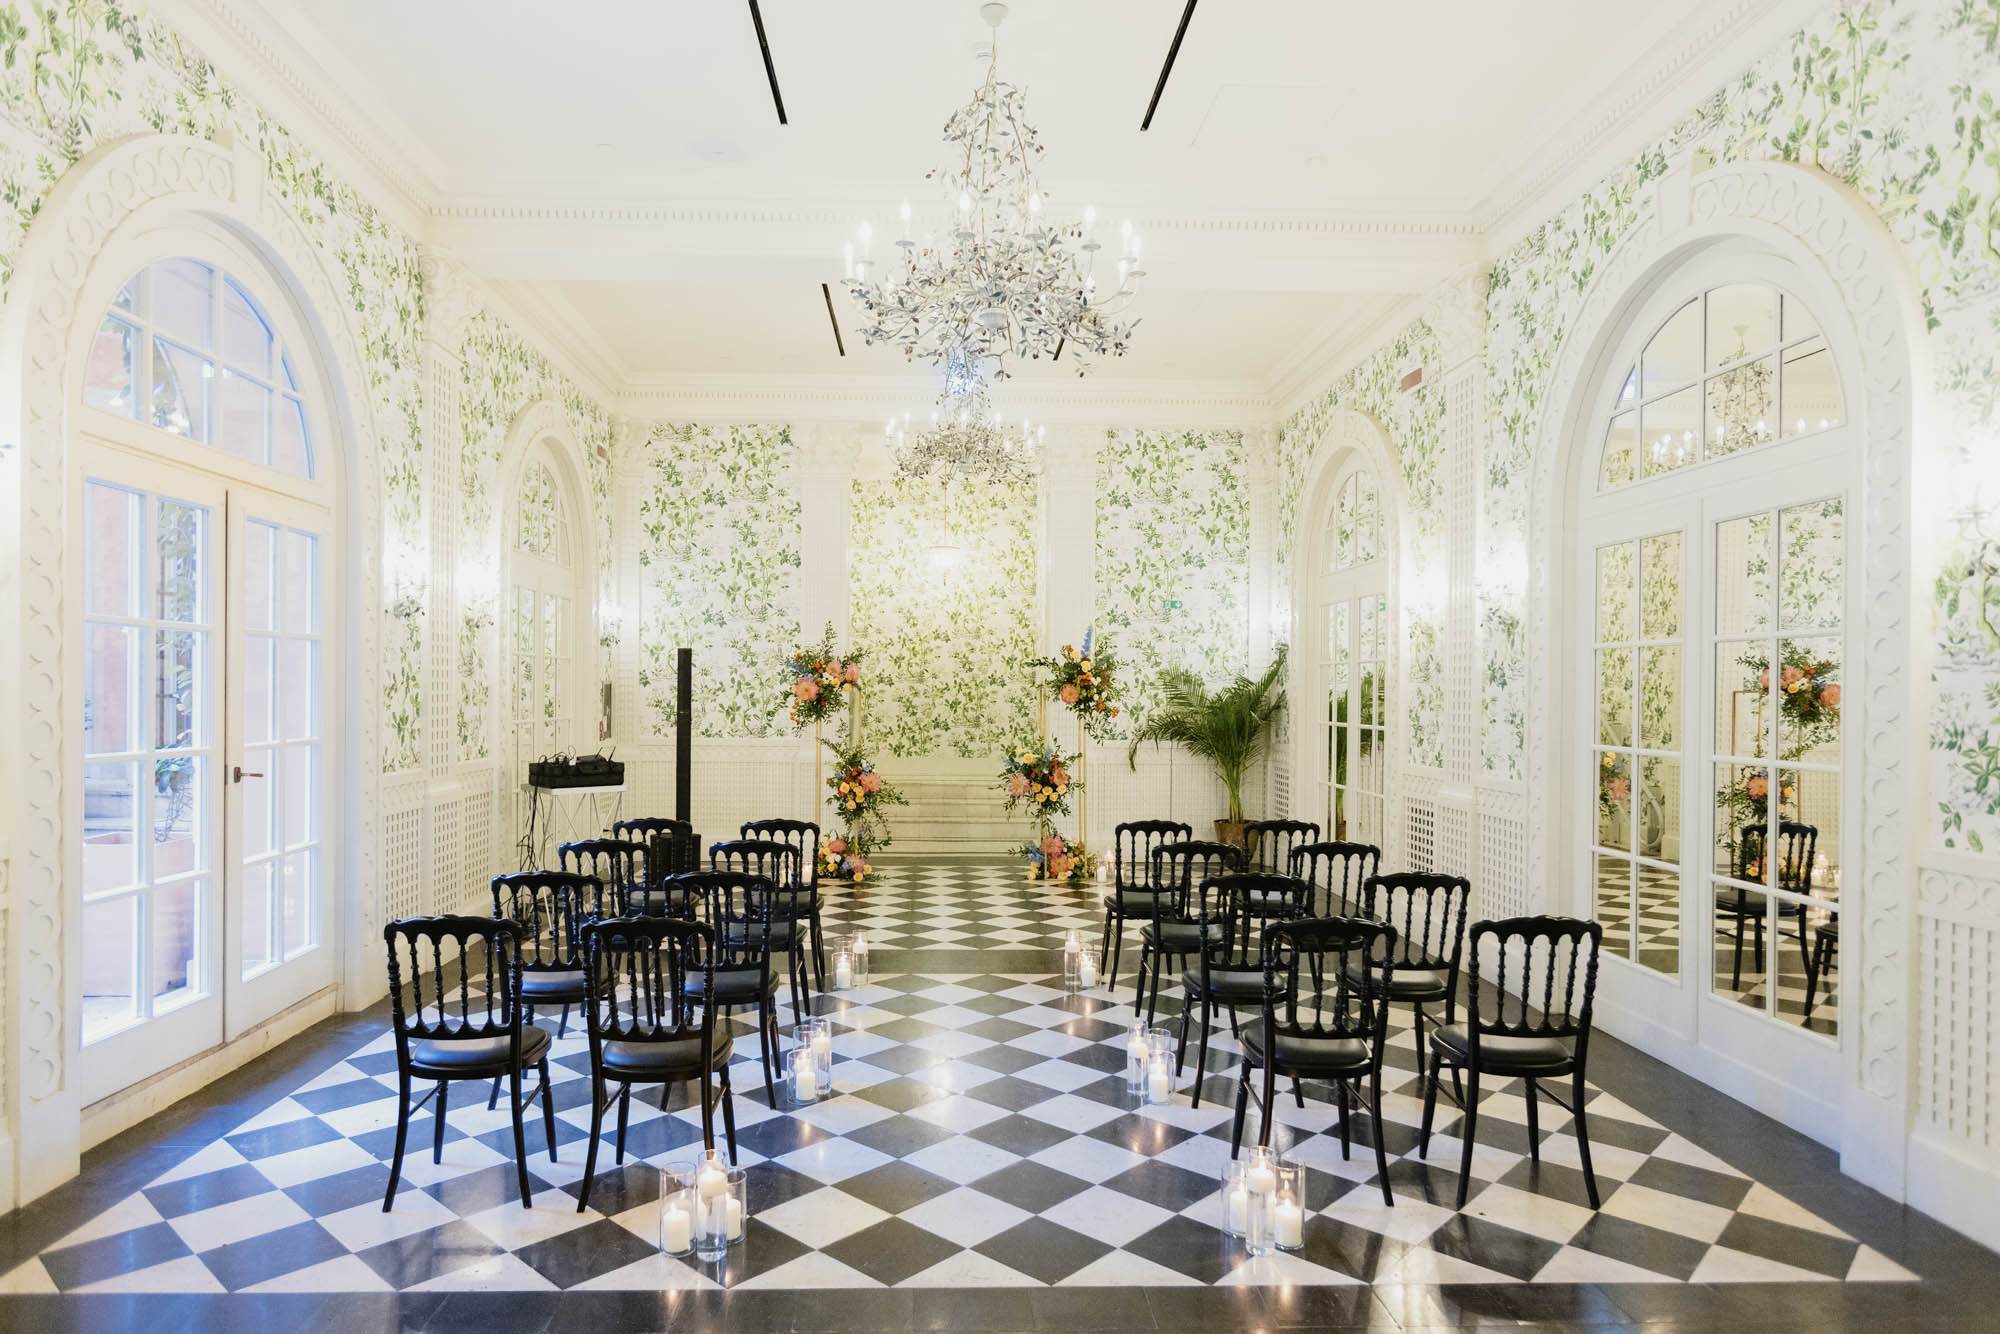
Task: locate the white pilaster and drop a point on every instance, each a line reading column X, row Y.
column 1069, row 535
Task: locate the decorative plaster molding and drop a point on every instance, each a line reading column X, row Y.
column 448, row 299
column 1799, row 214
column 1456, row 312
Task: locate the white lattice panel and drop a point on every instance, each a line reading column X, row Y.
column 1501, row 884
column 447, row 854
column 1278, row 777
column 1958, row 1076
column 441, row 504
column 1461, row 673
column 1419, row 834
column 403, row 866
column 482, row 861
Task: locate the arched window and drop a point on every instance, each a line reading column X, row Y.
column 210, row 586
column 1355, row 640
column 187, row 350
column 543, row 614
column 1711, row 618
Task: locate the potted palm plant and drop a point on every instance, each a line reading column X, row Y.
column 1230, row 728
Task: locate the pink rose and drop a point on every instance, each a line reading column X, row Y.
column 1017, row 785
column 1070, row 694
column 1830, row 695
column 1619, row 788
column 807, row 689
column 1764, row 679
column 1053, row 846
column 1757, row 787
column 852, row 673
column 871, row 782
column 1791, row 678
column 836, row 845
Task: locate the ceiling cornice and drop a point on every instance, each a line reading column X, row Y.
column 1337, row 357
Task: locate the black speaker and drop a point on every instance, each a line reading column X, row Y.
column 684, row 738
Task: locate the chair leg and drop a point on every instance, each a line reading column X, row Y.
column 1340, row 1096
column 597, row 1102
column 437, row 1125
column 1201, row 1052
column 1242, row 1106
column 1736, row 964
column 1758, row 923
column 819, row 952
column 707, row 1113
column 1583, row 1140
column 562, row 1025
column 1270, row 1102
column 1534, row 1128
column 624, row 1114
column 1104, row 955
column 1139, row 982
column 1298, row 1093
column 548, row 1109
column 1153, row 996
column 1417, row 1013
column 1375, row 1128
column 729, row 1114
column 493, row 1098
column 402, row 1137
column 1471, row 1125
column 766, row 1024
column 1430, row 1108
column 520, row 1138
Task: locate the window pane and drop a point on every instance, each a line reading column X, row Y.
column 1742, row 407
column 112, row 369
column 112, row 536
column 180, row 390
column 1810, row 389
column 256, row 914
column 1673, row 358
column 181, row 307
column 110, row 951
column 1659, row 919
column 110, row 827
column 1660, row 575
column 1799, row 322
column 1742, row 321
column 1614, row 697
column 179, row 673
column 246, row 339
column 1660, row 697
column 260, row 824
column 1659, row 809
column 299, row 688
column 111, row 677
column 301, row 786
column 180, row 815
column 180, row 544
column 297, row 901
column 1621, row 445
column 1367, row 519
column 1614, row 800
column 241, row 411
column 259, row 690
column 173, row 941
column 1670, row 429
column 301, row 586
column 1743, row 698
column 1808, row 698
column 1743, row 941
column 289, row 450
column 1812, row 554
column 1616, row 578
column 1818, row 1008
column 260, row 542
column 1614, row 902
column 1743, row 575
column 1742, row 801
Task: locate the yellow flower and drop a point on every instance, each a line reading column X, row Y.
column 1086, row 664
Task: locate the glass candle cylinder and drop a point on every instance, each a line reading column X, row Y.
column 1086, row 969
column 736, row 1207
column 1138, row 1047
column 1288, row 1210
column 857, row 946
column 802, row 1074
column 1072, row 961
column 1235, row 1199
column 678, row 1199
column 816, row 1036
column 1160, row 1074
column 843, row 971
column 1258, row 1207
column 711, row 1212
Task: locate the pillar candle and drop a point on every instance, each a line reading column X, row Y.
column 711, row 1183
column 1291, row 1225
column 1239, row 1209
column 1086, row 971
column 843, row 973
column 822, row 1043
column 1261, row 1178
column 805, row 1082
column 735, row 1219
column 1159, row 1084
column 676, row 1228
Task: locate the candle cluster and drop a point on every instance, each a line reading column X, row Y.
column 701, row 1207
column 1149, row 1063
column 1263, row 1203
column 1079, row 963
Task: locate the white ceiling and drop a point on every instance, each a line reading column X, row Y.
column 625, row 181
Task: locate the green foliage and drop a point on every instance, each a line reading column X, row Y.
column 1230, row 728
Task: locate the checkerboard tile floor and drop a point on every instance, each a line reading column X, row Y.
column 981, row 1135
column 932, row 906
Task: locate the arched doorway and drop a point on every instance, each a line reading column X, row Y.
column 206, row 552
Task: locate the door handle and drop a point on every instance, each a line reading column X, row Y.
column 239, row 773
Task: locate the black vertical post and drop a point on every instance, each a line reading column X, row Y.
column 684, row 738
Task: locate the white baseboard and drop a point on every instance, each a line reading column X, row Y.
column 126, row 1108
column 1957, row 1185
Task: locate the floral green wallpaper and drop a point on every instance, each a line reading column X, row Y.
column 719, row 561
column 946, row 634
column 500, row 375
column 1895, row 99
column 1414, row 420
column 1173, row 557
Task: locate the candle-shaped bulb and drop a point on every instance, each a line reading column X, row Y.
column 1089, row 218
column 965, row 201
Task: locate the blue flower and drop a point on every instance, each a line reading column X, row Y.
column 1090, row 633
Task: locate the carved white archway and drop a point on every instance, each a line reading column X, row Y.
column 1803, row 217
column 118, row 188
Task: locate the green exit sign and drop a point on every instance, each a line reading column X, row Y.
column 1170, row 604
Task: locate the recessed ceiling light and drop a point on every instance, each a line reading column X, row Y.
column 718, row 150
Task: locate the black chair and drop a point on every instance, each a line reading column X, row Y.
column 1337, row 871
column 1132, row 886
column 803, row 836
column 1822, row 957
column 1307, row 1031
column 1270, row 843
column 663, row 894
column 672, row 846
column 1428, row 912
column 444, row 1037
column 1172, row 932
column 1551, row 962
column 550, row 907
column 742, row 910
column 1796, row 845
column 618, row 863
column 776, row 862
column 1232, row 913
column 647, row 1026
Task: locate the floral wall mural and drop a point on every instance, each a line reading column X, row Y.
column 1173, row 557
column 946, row 634
column 1414, row 420
column 1893, row 98
column 719, row 564
column 501, row 375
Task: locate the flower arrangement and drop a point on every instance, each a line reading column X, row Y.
column 1084, row 680
column 817, row 679
column 1614, row 787
column 861, row 798
column 1809, row 715
column 841, row 859
column 1039, row 779
column 1745, row 801
column 1808, row 694
column 1053, row 857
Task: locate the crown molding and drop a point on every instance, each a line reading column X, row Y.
column 1653, row 92
column 536, row 319
column 1340, row 353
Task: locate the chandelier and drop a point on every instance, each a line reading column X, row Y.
column 965, row 438
column 1002, row 279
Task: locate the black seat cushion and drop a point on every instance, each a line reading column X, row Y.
column 1407, row 984
column 1227, row 984
column 552, row 983
column 780, row 936
column 734, row 986
column 1181, row 937
column 675, row 1059
column 1134, row 900
column 1507, row 1055
column 1309, row 1056
column 1738, row 902
column 474, row 1058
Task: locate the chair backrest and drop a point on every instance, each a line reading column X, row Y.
column 671, row 845
column 1327, row 977
column 617, row 862
column 774, row 861
column 489, row 954
column 550, row 907
column 1428, row 912
column 1179, row 867
column 800, row 835
column 1271, row 842
column 1132, row 845
column 1796, row 845
column 644, row 828
column 1337, row 870
column 740, row 907
column 633, row 970
column 1243, row 904
column 1543, row 983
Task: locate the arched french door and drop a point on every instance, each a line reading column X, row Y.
column 1713, row 641
column 1353, row 641
column 205, row 590
column 548, row 606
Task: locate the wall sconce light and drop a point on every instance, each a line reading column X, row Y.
column 477, row 593
column 407, row 583
column 610, row 624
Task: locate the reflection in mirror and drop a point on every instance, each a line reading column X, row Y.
column 1614, row 903
column 1812, row 542
column 1743, row 575
column 1807, row 696
column 1742, row 815
column 1809, row 389
column 1615, row 580
column 1799, row 321
column 1811, row 999
column 1742, row 699
column 1673, row 357
column 1742, row 407
column 1659, row 919
column 1742, row 319
column 1659, row 808
column 1614, row 697
column 1660, row 697
column 1742, row 934
column 1621, row 444
column 1669, row 431
column 1614, row 801
column 1660, row 574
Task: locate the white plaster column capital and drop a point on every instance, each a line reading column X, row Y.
column 448, row 300
column 1456, row 312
